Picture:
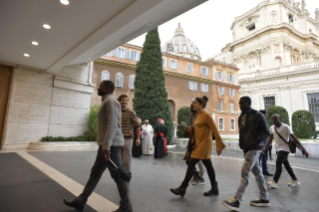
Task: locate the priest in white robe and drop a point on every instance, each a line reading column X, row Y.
column 148, row 134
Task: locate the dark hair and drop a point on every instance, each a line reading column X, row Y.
column 109, row 84
column 123, row 96
column 192, row 108
column 202, row 100
column 247, row 99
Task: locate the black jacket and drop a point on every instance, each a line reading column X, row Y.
column 255, row 131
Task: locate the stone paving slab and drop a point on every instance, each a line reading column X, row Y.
column 152, row 179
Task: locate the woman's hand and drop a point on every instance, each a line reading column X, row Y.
column 219, row 151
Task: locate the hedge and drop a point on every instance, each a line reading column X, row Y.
column 183, row 115
column 303, row 124
column 284, row 117
column 65, row 139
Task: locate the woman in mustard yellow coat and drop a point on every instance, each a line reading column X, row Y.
column 204, row 126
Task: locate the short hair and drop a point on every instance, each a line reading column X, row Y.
column 146, row 120
column 247, row 99
column 109, row 84
column 123, row 96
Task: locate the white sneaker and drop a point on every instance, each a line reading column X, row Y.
column 273, row 184
column 294, row 182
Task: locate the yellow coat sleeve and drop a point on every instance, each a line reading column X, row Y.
column 210, row 122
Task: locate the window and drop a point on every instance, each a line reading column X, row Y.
column 121, row 53
column 231, row 78
column 231, row 107
column 277, row 62
column 189, row 68
column 192, row 86
column 164, row 62
column 220, row 75
column 220, row 123
column 313, row 100
column 251, row 27
column 204, row 71
column 221, row 90
column 173, row 64
column 232, row 124
column 291, row 19
column 269, row 101
column 220, row 106
column 131, row 83
column 231, row 92
column 204, row 87
column 119, row 80
column 105, row 75
column 134, row 55
column 192, row 98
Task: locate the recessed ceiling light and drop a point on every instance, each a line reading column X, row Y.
column 46, row 26
column 26, row 55
column 35, row 43
column 65, row 2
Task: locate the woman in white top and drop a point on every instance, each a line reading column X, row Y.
column 282, row 150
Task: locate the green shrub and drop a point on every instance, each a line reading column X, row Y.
column 92, row 123
column 79, row 138
column 183, row 115
column 284, row 117
column 303, row 124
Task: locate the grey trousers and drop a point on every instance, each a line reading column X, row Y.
column 251, row 164
column 127, row 153
column 96, row 173
column 201, row 168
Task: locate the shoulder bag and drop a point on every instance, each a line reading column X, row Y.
column 292, row 144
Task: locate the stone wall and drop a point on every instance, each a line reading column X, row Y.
column 42, row 104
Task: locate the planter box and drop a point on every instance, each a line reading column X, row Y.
column 64, row 146
column 230, row 144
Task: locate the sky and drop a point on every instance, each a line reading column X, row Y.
column 208, row 25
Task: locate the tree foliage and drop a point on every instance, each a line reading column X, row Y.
column 284, row 117
column 303, row 124
column 150, row 100
column 183, row 115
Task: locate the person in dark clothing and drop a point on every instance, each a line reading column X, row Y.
column 160, row 135
column 263, row 157
column 253, row 130
column 137, row 149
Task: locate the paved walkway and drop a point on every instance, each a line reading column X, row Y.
column 152, row 178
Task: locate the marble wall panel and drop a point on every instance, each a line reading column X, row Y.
column 34, row 77
column 78, row 73
column 67, row 98
column 67, row 130
column 32, row 93
column 62, row 115
column 31, row 113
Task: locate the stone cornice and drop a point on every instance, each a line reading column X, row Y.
column 229, row 85
column 225, row 112
column 166, row 73
column 216, row 62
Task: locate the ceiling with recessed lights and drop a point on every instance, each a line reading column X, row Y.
column 55, row 34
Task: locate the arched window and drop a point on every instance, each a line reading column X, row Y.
column 192, row 98
column 119, row 80
column 131, row 82
column 105, row 75
column 278, row 62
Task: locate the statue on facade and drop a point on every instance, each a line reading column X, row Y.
column 317, row 14
column 303, row 4
column 296, row 5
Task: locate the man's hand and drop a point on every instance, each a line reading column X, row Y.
column 304, row 152
column 138, row 142
column 106, row 153
column 263, row 151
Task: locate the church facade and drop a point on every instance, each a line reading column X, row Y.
column 276, row 47
column 186, row 77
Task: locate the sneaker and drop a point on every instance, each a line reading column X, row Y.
column 294, row 183
column 232, row 203
column 260, row 202
column 195, row 177
column 272, row 184
column 200, row 180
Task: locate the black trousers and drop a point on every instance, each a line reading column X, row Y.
column 96, row 173
column 282, row 158
column 191, row 169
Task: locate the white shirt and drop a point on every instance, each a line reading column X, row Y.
column 148, row 128
column 284, row 130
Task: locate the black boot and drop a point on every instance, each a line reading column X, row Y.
column 212, row 191
column 179, row 191
column 73, row 204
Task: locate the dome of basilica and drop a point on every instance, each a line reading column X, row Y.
column 182, row 46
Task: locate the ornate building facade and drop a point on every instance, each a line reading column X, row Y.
column 276, row 47
column 186, row 77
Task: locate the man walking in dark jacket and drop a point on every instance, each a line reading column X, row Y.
column 253, row 130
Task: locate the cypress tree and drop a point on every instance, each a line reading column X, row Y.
column 150, row 99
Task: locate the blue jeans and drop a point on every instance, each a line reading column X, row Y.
column 263, row 159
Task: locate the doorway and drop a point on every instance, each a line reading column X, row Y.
column 5, row 81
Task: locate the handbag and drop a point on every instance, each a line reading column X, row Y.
column 292, row 144
column 126, row 176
